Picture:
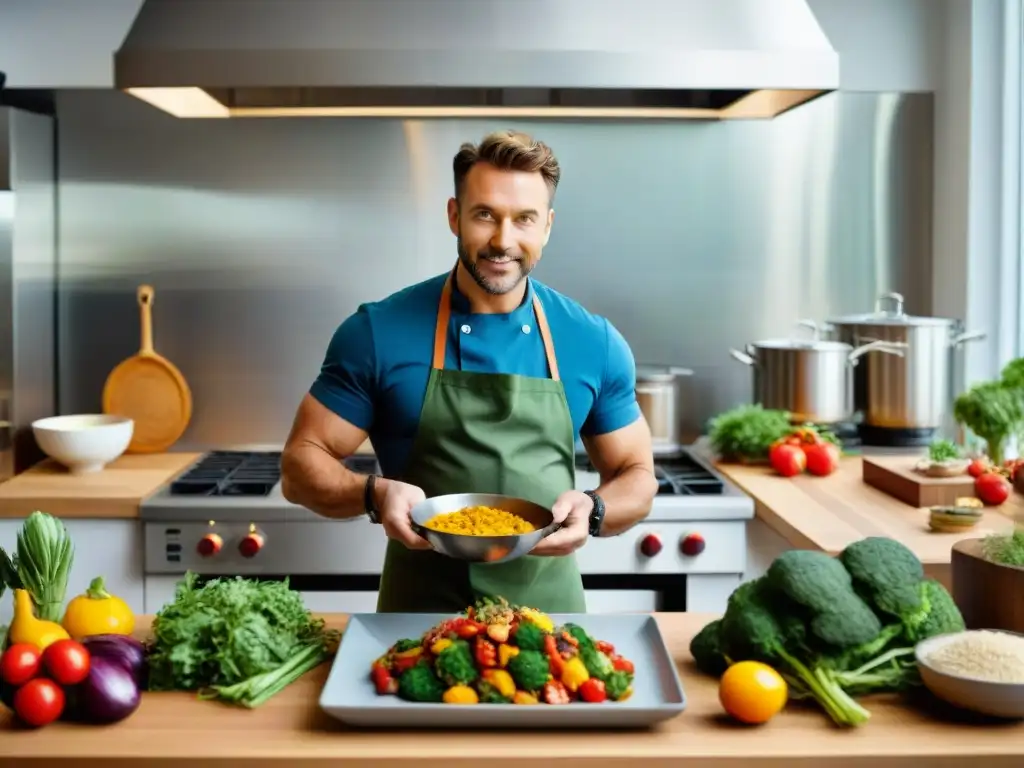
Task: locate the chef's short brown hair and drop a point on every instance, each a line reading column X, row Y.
column 508, row 151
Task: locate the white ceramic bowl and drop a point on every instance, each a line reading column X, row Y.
column 1004, row 700
column 83, row 443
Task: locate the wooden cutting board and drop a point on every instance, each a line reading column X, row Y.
column 895, row 475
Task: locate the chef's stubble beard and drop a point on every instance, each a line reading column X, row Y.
column 483, row 282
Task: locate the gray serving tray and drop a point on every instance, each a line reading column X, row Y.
column 350, row 697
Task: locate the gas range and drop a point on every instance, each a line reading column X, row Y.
column 226, row 516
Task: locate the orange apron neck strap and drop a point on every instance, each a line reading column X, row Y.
column 444, row 315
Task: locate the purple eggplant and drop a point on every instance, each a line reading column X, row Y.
column 109, row 694
column 121, row 649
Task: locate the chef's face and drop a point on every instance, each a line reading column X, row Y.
column 502, row 220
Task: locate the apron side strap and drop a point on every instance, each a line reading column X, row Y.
column 545, row 335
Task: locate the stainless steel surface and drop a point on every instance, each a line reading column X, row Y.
column 28, row 227
column 482, row 549
column 349, row 695
column 915, row 391
column 368, row 54
column 810, row 378
column 659, row 392
column 257, row 234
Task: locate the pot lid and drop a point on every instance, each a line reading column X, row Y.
column 889, row 311
column 807, row 345
column 660, row 373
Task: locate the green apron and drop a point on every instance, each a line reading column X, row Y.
column 487, row 433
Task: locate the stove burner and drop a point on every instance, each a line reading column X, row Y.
column 678, row 475
column 230, row 473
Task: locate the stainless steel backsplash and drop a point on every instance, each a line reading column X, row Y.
column 260, row 236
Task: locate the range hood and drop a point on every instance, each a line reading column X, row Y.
column 646, row 59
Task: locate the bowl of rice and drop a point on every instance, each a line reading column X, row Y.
column 482, row 527
column 981, row 670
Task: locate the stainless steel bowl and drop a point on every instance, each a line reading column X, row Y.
column 483, row 549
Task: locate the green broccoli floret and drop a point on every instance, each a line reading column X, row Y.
column 886, row 574
column 490, row 695
column 939, row 614
column 455, row 664
column 597, row 663
column 419, row 683
column 706, row 649
column 407, row 644
column 617, row 684
column 529, row 637
column 529, row 669
column 821, row 585
column 585, row 640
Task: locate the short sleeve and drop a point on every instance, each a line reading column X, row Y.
column 347, row 383
column 615, row 406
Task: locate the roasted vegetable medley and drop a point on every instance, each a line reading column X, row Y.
column 497, row 653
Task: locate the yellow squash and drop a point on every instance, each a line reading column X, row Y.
column 97, row 612
column 26, row 628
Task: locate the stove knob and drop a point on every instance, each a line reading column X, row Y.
column 692, row 544
column 209, row 545
column 650, row 545
column 251, row 544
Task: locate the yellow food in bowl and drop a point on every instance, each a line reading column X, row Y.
column 479, row 521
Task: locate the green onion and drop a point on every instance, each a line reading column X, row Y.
column 257, row 689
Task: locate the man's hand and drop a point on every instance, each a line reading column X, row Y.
column 572, row 509
column 396, row 502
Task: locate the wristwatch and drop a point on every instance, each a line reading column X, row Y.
column 370, row 499
column 597, row 514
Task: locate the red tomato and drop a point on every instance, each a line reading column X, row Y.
column 822, row 458
column 67, row 662
column 787, row 460
column 992, row 488
column 39, row 702
column 20, row 663
column 978, row 467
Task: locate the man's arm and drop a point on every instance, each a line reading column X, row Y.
column 625, row 460
column 331, row 423
column 312, row 473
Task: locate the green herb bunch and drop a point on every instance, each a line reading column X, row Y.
column 747, row 432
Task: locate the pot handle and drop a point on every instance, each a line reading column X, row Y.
column 963, row 338
column 889, row 347
column 743, row 357
column 897, row 302
column 813, row 326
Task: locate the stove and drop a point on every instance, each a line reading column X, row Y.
column 225, row 515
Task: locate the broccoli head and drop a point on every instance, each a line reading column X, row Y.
column 939, row 614
column 886, row 573
column 529, row 669
column 455, row 664
column 419, row 683
column 618, row 684
column 706, row 649
column 585, row 640
column 529, row 637
column 823, row 588
column 597, row 663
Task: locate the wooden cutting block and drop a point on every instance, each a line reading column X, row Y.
column 895, row 475
column 989, row 595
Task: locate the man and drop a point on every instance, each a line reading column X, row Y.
column 457, row 383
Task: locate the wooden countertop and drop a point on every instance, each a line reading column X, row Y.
column 114, row 492
column 290, row 730
column 828, row 513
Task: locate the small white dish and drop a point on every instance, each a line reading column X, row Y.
column 83, row 443
column 986, row 697
column 947, row 468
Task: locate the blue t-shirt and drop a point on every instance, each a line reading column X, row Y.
column 375, row 372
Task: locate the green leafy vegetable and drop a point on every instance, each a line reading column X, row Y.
column 834, row 628
column 943, row 450
column 44, row 558
column 1005, row 549
column 994, row 412
column 747, row 432
column 241, row 640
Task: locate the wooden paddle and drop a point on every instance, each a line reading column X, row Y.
column 150, row 390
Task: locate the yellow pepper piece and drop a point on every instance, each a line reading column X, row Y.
column 26, row 628
column 501, row 680
column 97, row 612
column 505, row 654
column 460, row 694
column 574, row 673
column 440, row 645
column 540, row 619
column 628, row 692
column 522, row 697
